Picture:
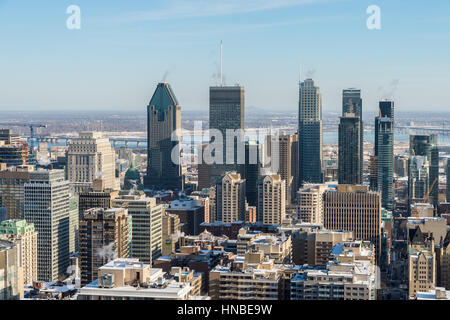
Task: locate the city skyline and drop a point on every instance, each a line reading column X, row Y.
column 115, row 60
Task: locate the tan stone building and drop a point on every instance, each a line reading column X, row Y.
column 271, row 199
column 230, row 198
column 90, row 157
column 310, row 203
column 354, row 208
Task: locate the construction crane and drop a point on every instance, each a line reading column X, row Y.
column 32, row 126
column 427, row 195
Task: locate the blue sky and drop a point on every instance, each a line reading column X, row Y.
column 124, row 48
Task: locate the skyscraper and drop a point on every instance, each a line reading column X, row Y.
column 252, row 171
column 12, row 189
column 163, row 119
column 24, row 236
column 227, row 112
column 230, row 198
column 271, row 199
column 310, row 134
column 146, row 216
column 352, row 103
column 104, row 236
column 354, row 208
column 90, row 157
column 384, row 152
column 423, row 172
column 349, row 165
column 46, row 205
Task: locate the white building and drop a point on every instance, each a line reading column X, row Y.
column 271, row 199
column 90, row 157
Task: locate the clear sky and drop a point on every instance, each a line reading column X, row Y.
column 124, row 48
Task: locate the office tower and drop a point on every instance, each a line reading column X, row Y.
column 373, row 173
column 310, row 203
column 252, row 171
column 227, row 112
column 11, row 286
column 146, row 216
column 170, row 233
column 203, row 169
column 421, row 262
column 354, row 208
column 352, row 103
column 90, row 157
column 14, row 154
column 384, row 154
column 448, row 180
column 423, row 173
column 99, row 197
column 24, row 236
column 271, row 199
column 46, row 205
column 12, row 189
column 401, row 165
column 104, row 235
column 73, row 224
column 230, row 198
column 310, row 134
column 163, row 121
column 287, row 163
column 349, row 165
column 8, row 137
column 191, row 213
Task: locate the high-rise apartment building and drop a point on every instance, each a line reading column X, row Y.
column 105, row 234
column 310, row 203
column 98, row 197
column 163, row 121
column 24, row 236
column 384, row 153
column 287, row 153
column 354, row 208
column 310, row 134
column 271, row 199
column 46, row 205
column 227, row 112
column 352, row 103
column 349, row 164
column 423, row 173
column 230, row 198
column 91, row 157
column 12, row 189
column 146, row 216
column 11, row 284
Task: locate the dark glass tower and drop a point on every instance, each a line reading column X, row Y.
column 423, row 173
column 227, row 112
column 310, row 134
column 384, row 153
column 163, row 118
column 352, row 103
column 252, row 172
column 349, row 165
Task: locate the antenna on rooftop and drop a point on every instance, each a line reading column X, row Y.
column 221, row 66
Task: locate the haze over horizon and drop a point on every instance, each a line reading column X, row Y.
column 124, row 49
